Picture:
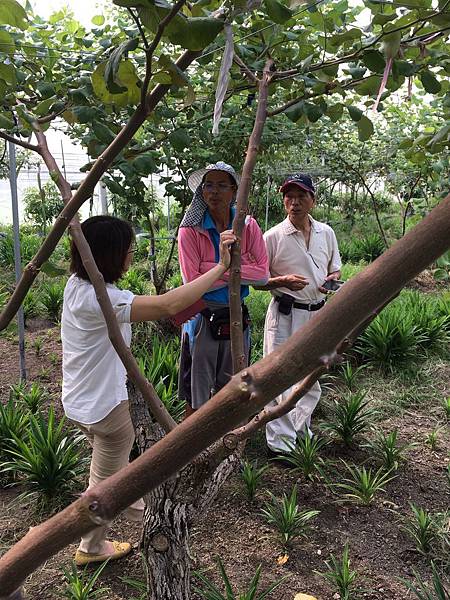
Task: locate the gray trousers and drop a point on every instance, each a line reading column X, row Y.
column 207, row 367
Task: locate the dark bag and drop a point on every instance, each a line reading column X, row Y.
column 219, row 322
column 285, row 304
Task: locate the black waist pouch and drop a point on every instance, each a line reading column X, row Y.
column 285, row 303
column 219, row 322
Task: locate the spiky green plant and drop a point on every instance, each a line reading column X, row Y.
column 34, row 397
column 304, row 455
column 48, row 460
column 13, row 423
column 363, row 484
column 348, row 374
column 52, row 295
column 422, row 529
column 210, row 591
column 251, row 475
column 431, row 327
column 286, row 517
column 38, row 344
column 168, row 394
column 80, row 585
column 440, row 590
column 386, row 448
column 391, row 341
column 134, row 281
column 340, row 575
column 432, row 439
column 350, row 417
column 367, row 248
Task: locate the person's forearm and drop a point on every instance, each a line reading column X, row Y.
column 272, row 284
column 336, row 274
column 182, row 297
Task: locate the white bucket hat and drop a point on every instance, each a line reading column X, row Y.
column 195, row 178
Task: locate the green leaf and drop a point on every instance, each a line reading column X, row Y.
column 11, row 13
column 430, row 83
column 114, row 187
column 194, row 33
column 441, row 135
column 404, row 144
column 6, row 42
column 294, row 112
column 43, row 108
column 98, row 20
column 84, row 114
column 178, row 77
column 313, row 112
column 8, row 74
column 277, row 12
column 179, row 139
column 365, row 128
column 52, row 270
column 369, row 87
column 335, row 112
column 102, row 132
column 374, row 61
column 355, row 113
column 45, row 89
column 112, row 66
column 145, row 164
column 6, row 122
column 126, row 77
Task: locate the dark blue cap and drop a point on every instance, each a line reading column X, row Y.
column 302, row 180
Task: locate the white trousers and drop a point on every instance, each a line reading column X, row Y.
column 277, row 329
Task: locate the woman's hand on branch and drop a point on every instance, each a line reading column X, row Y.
column 226, row 239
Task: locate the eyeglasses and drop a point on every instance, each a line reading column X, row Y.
column 132, row 249
column 221, row 187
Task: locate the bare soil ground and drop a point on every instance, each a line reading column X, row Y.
column 235, row 530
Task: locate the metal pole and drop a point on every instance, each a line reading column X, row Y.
column 17, row 262
column 267, row 202
column 103, row 198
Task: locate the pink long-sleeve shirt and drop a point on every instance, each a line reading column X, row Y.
column 197, row 255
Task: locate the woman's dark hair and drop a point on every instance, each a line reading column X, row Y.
column 110, row 239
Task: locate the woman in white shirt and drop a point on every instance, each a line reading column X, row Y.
column 94, row 393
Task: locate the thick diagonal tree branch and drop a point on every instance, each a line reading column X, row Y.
column 247, row 393
column 237, row 337
column 85, row 190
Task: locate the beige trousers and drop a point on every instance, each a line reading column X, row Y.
column 282, row 432
column 111, row 440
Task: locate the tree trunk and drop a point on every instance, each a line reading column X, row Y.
column 171, row 508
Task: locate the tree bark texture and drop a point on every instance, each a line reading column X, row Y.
column 171, row 508
column 246, row 394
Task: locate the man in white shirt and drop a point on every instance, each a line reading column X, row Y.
column 303, row 255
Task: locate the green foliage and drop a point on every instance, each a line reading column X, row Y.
column 48, row 460
column 440, row 591
column 304, row 456
column 29, row 245
column 251, row 475
column 80, row 585
column 391, row 340
column 422, row 528
column 210, row 591
column 52, row 296
column 363, row 484
column 446, row 407
column 286, row 517
column 38, row 344
column 347, row 374
column 42, row 207
column 13, row 424
column 349, row 417
column 367, row 248
column 387, row 450
column 432, row 328
column 134, row 281
column 33, row 397
column 340, row 575
column 432, row 439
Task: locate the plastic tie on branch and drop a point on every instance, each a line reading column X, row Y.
column 224, row 76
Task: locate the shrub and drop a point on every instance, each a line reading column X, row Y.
column 48, row 460
column 52, row 295
column 391, row 340
column 350, row 417
column 80, row 586
column 305, row 457
column 386, row 448
column 33, row 397
column 212, row 592
column 135, row 282
column 367, row 248
column 285, row 515
column 422, row 529
column 362, row 484
column 430, row 326
column 251, row 475
column 340, row 575
column 13, row 424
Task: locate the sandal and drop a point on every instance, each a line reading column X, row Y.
column 121, row 549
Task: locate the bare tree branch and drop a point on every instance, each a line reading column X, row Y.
column 18, row 142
